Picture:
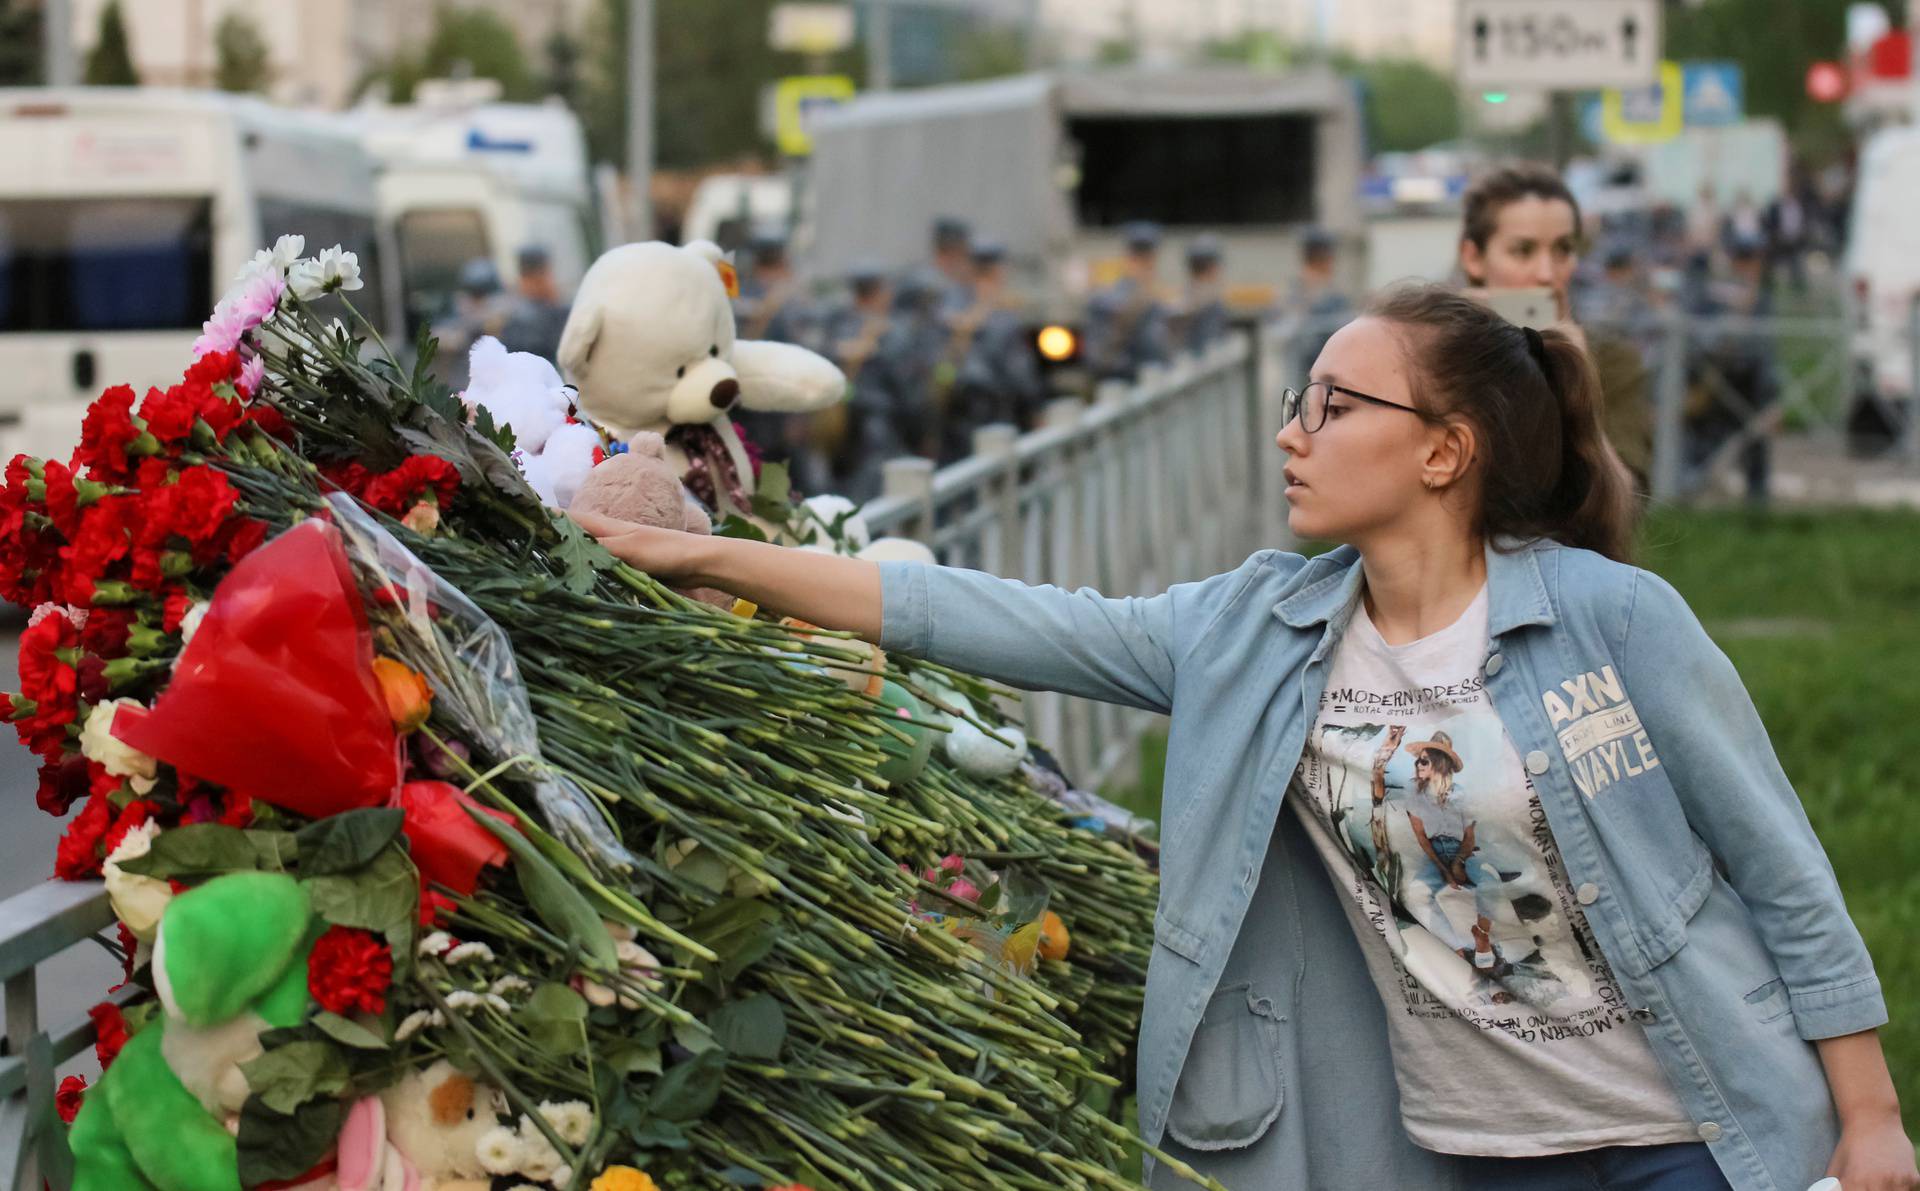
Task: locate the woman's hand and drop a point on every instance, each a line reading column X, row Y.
column 665, row 554
column 1874, row 1155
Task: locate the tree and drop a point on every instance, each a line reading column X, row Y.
column 240, row 55
column 19, row 44
column 465, row 43
column 1408, row 104
column 988, row 52
column 110, row 64
column 711, row 64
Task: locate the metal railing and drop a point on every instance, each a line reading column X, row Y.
column 1171, row 478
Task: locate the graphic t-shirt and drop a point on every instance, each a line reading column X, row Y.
column 1510, row 1036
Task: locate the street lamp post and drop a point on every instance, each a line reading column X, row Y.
column 56, row 42
column 640, row 118
column 879, row 45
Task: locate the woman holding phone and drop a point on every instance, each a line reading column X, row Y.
column 1521, row 230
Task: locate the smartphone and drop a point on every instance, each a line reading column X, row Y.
column 1524, row 306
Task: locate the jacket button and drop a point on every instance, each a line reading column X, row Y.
column 1494, row 663
column 1537, row 762
column 1588, row 893
column 1710, row 1132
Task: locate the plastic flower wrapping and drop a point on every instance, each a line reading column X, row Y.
column 445, row 847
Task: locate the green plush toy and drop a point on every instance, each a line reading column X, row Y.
column 230, row 961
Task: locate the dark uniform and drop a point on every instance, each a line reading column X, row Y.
column 996, row 376
column 1127, row 322
column 480, row 309
column 952, row 237
column 893, row 401
column 850, row 336
column 534, row 323
column 1202, row 318
column 773, row 305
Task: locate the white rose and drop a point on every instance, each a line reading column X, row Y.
column 137, row 901
column 98, row 743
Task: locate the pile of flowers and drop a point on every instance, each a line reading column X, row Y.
column 649, row 878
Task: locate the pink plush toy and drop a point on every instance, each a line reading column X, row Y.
column 641, row 486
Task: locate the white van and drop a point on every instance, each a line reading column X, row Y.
column 1883, row 260
column 124, row 214
column 460, row 179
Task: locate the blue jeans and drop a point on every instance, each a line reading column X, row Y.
column 1683, row 1167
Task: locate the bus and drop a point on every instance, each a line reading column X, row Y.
column 127, row 213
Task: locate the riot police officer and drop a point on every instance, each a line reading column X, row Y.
column 1127, row 323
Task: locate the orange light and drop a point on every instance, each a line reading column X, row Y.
column 1056, row 343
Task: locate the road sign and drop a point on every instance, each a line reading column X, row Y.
column 1713, row 93
column 1557, row 45
column 795, row 98
column 810, row 28
column 1645, row 115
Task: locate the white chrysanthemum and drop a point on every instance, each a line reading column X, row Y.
column 285, row 251
column 339, row 269
column 436, row 943
column 499, row 1002
column 499, row 1151
column 562, row 1176
column 571, row 1119
column 478, row 952
column 416, row 1021
column 98, row 743
column 510, row 984
column 463, row 1000
column 538, row 1158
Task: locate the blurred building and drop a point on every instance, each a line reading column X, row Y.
column 318, row 50
column 1171, row 30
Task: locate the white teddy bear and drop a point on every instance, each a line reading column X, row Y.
column 650, row 345
column 524, row 392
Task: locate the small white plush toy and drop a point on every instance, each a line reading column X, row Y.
column 650, row 345
column 525, row 393
column 824, row 514
column 437, row 1119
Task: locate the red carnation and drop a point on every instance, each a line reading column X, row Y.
column 66, row 1101
column 213, row 368
column 78, row 857
column 245, row 535
column 202, row 500
column 109, row 1032
column 403, row 487
column 101, row 542
column 129, row 947
column 63, row 782
column 137, row 812
column 348, row 477
column 105, row 633
column 106, row 433
column 269, row 420
column 348, row 970
column 169, row 415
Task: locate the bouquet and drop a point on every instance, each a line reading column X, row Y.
column 445, row 846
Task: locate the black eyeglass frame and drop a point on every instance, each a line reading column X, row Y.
column 1294, row 403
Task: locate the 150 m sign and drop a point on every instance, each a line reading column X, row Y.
column 1558, row 45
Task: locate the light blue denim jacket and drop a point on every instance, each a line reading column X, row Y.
column 1263, row 1055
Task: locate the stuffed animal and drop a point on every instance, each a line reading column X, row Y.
column 524, row 392
column 640, row 486
column 650, row 344
column 435, row 1120
column 831, row 524
column 229, row 961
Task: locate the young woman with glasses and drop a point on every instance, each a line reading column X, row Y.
column 1478, row 870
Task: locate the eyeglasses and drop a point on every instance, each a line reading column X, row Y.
column 1310, row 404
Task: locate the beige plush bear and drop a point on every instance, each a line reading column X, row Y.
column 436, row 1118
column 640, row 486
column 650, row 345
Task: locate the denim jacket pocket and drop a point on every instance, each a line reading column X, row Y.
column 1230, row 1091
column 1770, row 1002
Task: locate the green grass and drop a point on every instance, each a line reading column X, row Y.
column 1820, row 612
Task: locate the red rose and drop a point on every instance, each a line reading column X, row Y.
column 78, row 857
column 348, row 970
column 66, row 1101
column 109, row 1032
column 105, row 434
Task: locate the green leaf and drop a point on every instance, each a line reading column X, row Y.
column 289, row 1076
column 688, row 1090
column 276, row 1146
column 658, row 1134
column 555, row 1017
column 733, row 525
column 740, row 930
column 773, row 495
column 694, row 1036
column 753, row 1028
column 348, row 1032
column 564, row 909
column 579, row 556
column 631, row 1057
column 205, row 849
column 344, row 842
column 380, row 897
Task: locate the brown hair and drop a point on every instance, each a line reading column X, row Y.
column 1546, row 468
column 1489, row 196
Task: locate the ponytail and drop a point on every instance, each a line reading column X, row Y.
column 1546, row 467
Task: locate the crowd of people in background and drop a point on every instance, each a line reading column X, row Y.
column 936, row 351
